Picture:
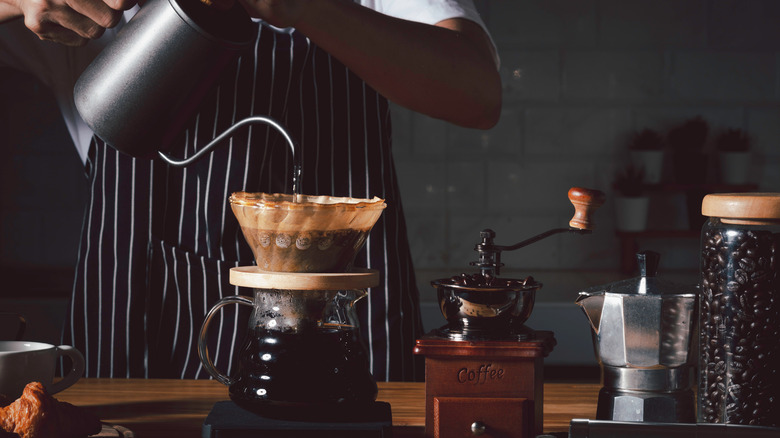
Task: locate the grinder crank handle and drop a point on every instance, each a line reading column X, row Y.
column 585, row 202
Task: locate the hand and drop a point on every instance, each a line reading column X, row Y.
column 71, row 22
column 279, row 13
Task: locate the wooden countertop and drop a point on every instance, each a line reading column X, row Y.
column 164, row 408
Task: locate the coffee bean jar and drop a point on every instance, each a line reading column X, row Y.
column 739, row 310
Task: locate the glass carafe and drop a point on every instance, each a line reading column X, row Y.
column 303, row 349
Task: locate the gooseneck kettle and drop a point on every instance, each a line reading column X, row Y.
column 139, row 92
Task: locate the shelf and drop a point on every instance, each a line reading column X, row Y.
column 658, row 234
column 628, row 240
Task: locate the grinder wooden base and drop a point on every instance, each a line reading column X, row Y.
column 488, row 387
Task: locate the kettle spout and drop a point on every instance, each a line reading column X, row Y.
column 591, row 304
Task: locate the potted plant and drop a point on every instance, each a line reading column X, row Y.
column 631, row 202
column 646, row 150
column 733, row 148
column 687, row 142
column 689, row 161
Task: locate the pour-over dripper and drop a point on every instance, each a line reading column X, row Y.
column 304, row 233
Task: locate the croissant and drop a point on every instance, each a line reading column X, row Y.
column 36, row 414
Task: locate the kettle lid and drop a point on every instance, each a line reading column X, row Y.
column 231, row 27
column 647, row 283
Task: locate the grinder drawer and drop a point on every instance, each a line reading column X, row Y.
column 456, row 417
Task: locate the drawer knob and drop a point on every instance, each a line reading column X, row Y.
column 478, row 428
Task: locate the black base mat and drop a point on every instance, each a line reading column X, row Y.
column 228, row 420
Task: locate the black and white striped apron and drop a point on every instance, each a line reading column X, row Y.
column 158, row 242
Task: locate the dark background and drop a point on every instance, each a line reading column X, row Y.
column 579, row 76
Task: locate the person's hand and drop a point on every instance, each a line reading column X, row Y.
column 279, row 13
column 72, row 22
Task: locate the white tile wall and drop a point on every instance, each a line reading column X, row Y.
column 574, row 131
column 744, row 25
column 542, row 23
column 579, row 76
column 649, row 24
column 763, row 125
column 614, row 74
column 723, row 77
column 531, row 75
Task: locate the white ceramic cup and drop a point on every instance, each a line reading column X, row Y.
column 22, row 362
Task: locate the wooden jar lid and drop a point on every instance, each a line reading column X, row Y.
column 254, row 277
column 758, row 208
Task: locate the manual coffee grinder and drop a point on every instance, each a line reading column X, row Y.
column 643, row 330
column 484, row 368
column 302, row 369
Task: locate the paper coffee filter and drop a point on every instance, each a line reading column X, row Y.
column 304, row 233
column 280, row 212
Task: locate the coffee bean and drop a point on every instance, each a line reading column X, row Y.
column 747, row 263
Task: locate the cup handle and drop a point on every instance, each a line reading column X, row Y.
column 203, row 349
column 76, row 370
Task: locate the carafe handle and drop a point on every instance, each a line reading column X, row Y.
column 203, row 348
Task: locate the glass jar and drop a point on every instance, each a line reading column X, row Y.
column 739, row 310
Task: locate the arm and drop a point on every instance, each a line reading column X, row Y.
column 8, row 12
column 68, row 22
column 447, row 71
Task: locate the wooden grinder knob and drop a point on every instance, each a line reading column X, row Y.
column 585, row 202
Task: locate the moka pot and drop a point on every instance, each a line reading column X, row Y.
column 643, row 330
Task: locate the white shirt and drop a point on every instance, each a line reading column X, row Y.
column 59, row 67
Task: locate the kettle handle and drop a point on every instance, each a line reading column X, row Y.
column 203, row 349
column 585, row 202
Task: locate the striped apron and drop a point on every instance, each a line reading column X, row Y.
column 158, row 242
